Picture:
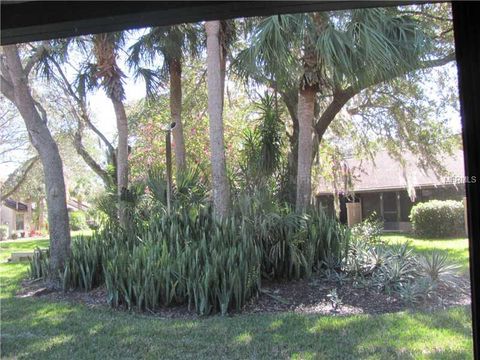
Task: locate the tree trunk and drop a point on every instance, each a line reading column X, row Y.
column 223, row 73
column 175, row 68
column 41, row 216
column 47, row 149
column 221, row 190
column 122, row 156
column 306, row 106
column 105, row 51
column 290, row 98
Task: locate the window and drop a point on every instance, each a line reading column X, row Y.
column 20, row 222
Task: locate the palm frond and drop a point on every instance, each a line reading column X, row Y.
column 151, row 78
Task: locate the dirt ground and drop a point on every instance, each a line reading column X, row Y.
column 299, row 296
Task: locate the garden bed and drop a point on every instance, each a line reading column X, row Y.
column 305, row 296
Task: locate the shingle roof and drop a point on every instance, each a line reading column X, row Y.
column 384, row 172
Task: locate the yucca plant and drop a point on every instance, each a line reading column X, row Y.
column 39, row 264
column 191, row 257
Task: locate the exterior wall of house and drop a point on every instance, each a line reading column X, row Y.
column 17, row 221
column 7, row 217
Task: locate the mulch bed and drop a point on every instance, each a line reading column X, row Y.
column 306, row 296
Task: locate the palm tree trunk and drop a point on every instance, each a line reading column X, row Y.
column 122, row 156
column 223, row 73
column 47, row 149
column 221, row 189
column 104, row 50
column 290, row 99
column 306, row 106
column 175, row 68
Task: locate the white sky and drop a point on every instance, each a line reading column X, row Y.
column 101, row 110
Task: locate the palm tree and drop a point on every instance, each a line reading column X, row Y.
column 334, row 55
column 172, row 43
column 221, row 189
column 111, row 78
column 15, row 88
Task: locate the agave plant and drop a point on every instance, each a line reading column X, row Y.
column 417, row 291
column 437, row 268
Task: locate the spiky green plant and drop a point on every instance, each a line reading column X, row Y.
column 189, row 257
column 437, row 267
column 39, row 264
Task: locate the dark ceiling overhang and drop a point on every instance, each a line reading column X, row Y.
column 24, row 21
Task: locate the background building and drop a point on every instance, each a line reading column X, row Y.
column 382, row 187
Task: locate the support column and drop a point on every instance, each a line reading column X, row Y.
column 467, row 38
column 381, row 205
column 399, row 208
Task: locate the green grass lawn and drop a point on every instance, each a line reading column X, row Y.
column 39, row 329
column 457, row 248
column 28, row 244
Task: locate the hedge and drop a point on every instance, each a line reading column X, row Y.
column 436, row 219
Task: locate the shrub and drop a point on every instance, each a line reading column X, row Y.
column 438, row 219
column 78, row 221
column 369, row 230
column 3, row 232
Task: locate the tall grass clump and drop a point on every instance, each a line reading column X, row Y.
column 212, row 266
column 191, row 258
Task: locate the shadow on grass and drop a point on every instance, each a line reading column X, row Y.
column 38, row 329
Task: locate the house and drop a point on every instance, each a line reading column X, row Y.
column 382, row 187
column 17, row 216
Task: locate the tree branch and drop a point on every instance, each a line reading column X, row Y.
column 6, row 88
column 81, row 104
column 34, row 59
column 21, row 180
column 427, row 15
column 424, row 65
column 89, row 159
column 341, row 97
